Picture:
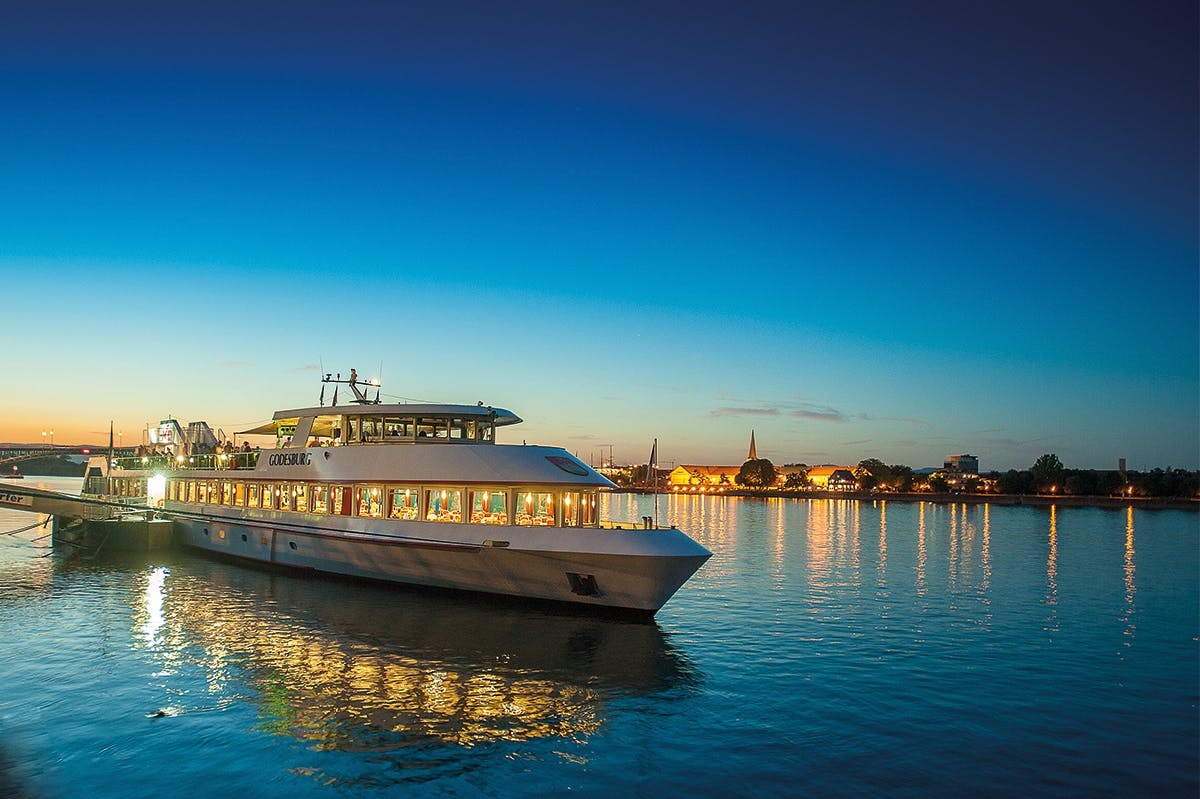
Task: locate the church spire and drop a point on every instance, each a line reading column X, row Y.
column 753, row 456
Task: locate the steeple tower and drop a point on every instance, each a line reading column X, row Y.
column 753, row 456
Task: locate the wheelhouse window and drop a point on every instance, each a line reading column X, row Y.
column 433, row 428
column 405, row 504
column 535, row 508
column 402, row 429
column 489, row 506
column 443, row 505
column 370, row 429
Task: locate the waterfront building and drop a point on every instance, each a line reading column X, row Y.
column 961, row 464
column 706, row 476
column 697, row 476
column 833, row 478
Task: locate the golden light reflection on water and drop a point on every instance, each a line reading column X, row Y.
column 881, row 569
column 779, row 538
column 1130, row 582
column 922, row 551
column 354, row 681
column 952, row 566
column 985, row 554
column 1052, row 572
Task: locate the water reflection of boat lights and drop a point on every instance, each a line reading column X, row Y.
column 336, row 691
column 155, row 593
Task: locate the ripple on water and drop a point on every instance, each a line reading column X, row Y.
column 827, row 648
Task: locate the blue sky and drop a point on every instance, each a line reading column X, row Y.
column 862, row 230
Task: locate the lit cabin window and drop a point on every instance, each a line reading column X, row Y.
column 405, row 504
column 587, row 510
column 239, row 494
column 191, row 491
column 489, row 506
column 252, row 493
column 226, row 493
column 339, row 500
column 320, row 499
column 300, row 498
column 369, row 501
column 283, row 495
column 443, row 505
column 535, row 508
column 268, row 496
column 570, row 509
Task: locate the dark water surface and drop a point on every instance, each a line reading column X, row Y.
column 827, row 649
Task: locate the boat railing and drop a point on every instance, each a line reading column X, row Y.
column 646, row 523
column 208, row 460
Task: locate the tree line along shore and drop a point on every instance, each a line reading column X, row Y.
column 1046, row 482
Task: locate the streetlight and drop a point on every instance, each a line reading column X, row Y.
column 51, row 439
column 43, row 438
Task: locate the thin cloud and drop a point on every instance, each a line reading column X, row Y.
column 820, row 415
column 902, row 419
column 1013, row 443
column 233, row 364
column 744, row 412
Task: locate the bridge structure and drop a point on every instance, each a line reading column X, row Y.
column 12, row 454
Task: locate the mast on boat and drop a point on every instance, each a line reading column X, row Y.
column 360, row 396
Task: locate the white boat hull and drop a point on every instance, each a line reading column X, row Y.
column 631, row 569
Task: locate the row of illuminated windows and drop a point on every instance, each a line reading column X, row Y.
column 376, row 428
column 477, row 505
column 128, row 487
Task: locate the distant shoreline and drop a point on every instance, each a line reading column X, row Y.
column 1030, row 500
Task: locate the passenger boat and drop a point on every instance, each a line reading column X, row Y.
column 419, row 494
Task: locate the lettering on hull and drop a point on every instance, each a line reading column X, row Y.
column 289, row 459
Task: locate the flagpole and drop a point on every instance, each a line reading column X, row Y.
column 654, row 485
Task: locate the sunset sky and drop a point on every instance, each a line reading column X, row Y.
column 861, row 229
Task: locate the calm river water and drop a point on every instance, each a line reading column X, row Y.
column 829, row 648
